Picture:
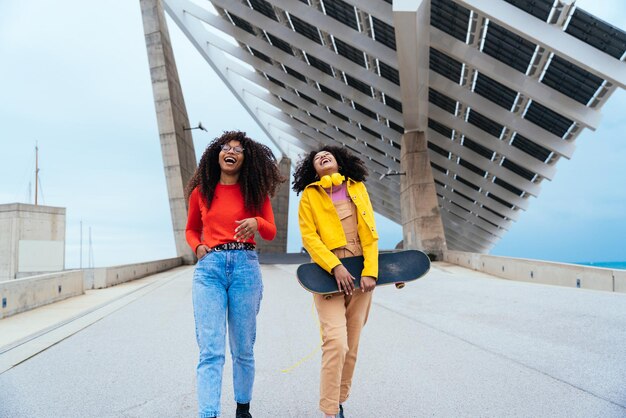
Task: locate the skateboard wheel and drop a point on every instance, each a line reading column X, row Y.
column 400, row 285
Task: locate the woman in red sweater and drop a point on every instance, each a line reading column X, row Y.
column 228, row 203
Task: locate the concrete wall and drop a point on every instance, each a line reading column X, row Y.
column 21, row 295
column 544, row 272
column 110, row 276
column 28, row 293
column 32, row 239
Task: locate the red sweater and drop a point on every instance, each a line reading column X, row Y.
column 216, row 225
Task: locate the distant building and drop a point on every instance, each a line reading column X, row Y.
column 32, row 240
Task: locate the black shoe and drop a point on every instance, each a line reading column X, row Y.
column 243, row 410
column 340, row 414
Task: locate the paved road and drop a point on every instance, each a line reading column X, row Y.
column 455, row 344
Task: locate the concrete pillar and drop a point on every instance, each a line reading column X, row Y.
column 280, row 205
column 422, row 228
column 179, row 158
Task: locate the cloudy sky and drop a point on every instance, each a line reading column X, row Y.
column 74, row 79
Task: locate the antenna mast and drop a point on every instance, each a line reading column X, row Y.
column 36, row 171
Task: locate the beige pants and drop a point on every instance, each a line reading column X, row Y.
column 341, row 319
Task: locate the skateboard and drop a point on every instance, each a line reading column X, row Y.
column 393, row 267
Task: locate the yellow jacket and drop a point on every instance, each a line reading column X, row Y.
column 322, row 231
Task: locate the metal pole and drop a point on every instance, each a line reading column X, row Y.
column 81, row 244
column 36, row 171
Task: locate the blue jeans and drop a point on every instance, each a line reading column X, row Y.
column 226, row 285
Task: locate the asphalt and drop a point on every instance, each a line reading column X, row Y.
column 454, row 344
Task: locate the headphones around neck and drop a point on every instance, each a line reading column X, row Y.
column 334, row 179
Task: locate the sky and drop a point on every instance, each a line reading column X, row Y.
column 74, row 80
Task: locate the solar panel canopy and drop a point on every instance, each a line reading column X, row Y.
column 505, row 87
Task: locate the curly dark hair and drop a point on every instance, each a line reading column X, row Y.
column 349, row 165
column 259, row 176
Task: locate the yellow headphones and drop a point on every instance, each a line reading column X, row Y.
column 334, row 179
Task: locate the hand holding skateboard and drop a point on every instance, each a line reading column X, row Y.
column 393, row 268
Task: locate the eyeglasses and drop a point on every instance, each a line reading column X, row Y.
column 236, row 150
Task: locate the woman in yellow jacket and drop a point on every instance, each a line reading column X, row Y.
column 336, row 221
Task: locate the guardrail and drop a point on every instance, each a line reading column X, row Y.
column 544, row 272
column 21, row 295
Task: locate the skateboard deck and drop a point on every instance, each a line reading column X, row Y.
column 393, row 268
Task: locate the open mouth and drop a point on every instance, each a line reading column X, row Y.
column 230, row 160
column 324, row 161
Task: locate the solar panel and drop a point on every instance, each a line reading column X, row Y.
column 438, row 127
column 342, row 11
column 488, row 221
column 484, row 123
column 597, row 33
column 439, row 168
column 384, row 33
column 350, row 52
column 261, row 55
column 450, row 18
column 531, row 148
column 296, row 74
column 460, row 207
column 305, row 29
column 243, row 24
column 548, row 119
column 359, row 85
column 264, row 7
column 396, row 128
column 339, row 114
column 307, row 98
column 393, row 103
column 494, row 212
column 319, row 64
column 571, row 80
column 280, row 44
column 472, row 167
column 275, row 81
column 347, row 134
column 467, row 183
column 508, row 186
column 374, row 134
column 496, row 92
column 441, row 100
column 332, row 93
column 365, row 111
column 288, row 102
column 445, row 65
column 438, row 149
column 389, row 72
column 463, row 196
column 507, row 47
column 477, row 148
column 317, row 118
column 500, row 201
column 538, row 8
column 518, row 169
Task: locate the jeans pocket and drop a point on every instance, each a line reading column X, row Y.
column 204, row 256
column 252, row 255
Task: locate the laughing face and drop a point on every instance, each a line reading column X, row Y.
column 231, row 157
column 325, row 163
